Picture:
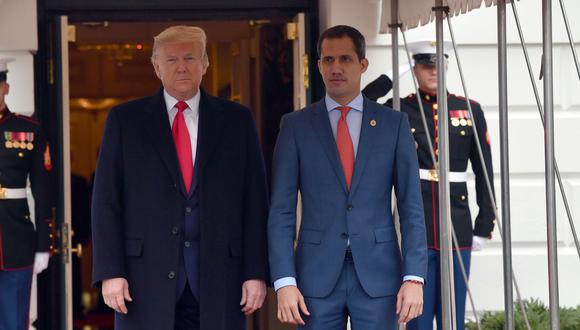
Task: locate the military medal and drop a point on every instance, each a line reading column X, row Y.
column 30, row 138
column 463, row 122
column 19, row 140
column 8, row 138
column 469, row 122
column 455, row 122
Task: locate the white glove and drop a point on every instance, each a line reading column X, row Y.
column 478, row 243
column 40, row 262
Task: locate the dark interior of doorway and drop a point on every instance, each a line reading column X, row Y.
column 250, row 63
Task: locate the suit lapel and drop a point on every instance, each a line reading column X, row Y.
column 368, row 135
column 157, row 125
column 210, row 129
column 321, row 125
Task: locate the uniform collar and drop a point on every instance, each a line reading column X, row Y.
column 429, row 97
column 5, row 114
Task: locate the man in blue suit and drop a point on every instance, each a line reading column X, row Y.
column 345, row 154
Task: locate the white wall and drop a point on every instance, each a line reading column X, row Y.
column 476, row 35
column 18, row 39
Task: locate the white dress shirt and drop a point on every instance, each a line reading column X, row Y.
column 191, row 116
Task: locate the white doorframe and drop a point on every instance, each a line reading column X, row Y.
column 64, row 249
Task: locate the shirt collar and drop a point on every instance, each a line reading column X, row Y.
column 356, row 103
column 171, row 101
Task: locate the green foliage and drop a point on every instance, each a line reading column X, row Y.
column 538, row 315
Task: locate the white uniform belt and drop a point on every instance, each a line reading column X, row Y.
column 12, row 193
column 433, row 175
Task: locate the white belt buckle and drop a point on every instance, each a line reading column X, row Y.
column 2, row 192
column 432, row 175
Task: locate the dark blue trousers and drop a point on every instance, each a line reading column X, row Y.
column 15, row 299
column 187, row 311
column 348, row 299
column 432, row 293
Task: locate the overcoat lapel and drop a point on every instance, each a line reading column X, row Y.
column 157, row 125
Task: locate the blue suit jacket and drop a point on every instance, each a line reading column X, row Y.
column 306, row 160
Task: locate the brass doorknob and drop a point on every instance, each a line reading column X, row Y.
column 78, row 250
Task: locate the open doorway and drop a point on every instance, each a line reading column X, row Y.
column 251, row 62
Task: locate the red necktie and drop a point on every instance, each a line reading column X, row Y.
column 183, row 144
column 344, row 145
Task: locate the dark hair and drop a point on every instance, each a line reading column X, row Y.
column 340, row 31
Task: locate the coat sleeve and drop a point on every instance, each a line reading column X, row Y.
column 107, row 205
column 484, row 221
column 40, row 184
column 410, row 204
column 255, row 208
column 282, row 218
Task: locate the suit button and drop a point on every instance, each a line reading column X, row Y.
column 344, row 235
column 188, row 209
column 175, row 230
column 187, row 244
column 171, row 275
column 349, row 207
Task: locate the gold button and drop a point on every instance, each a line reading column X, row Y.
column 437, row 152
column 427, row 97
column 463, row 197
column 20, row 155
column 462, row 133
column 413, row 130
column 435, row 106
column 436, row 117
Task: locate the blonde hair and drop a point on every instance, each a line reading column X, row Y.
column 180, row 34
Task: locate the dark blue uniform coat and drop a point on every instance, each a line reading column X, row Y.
column 20, row 239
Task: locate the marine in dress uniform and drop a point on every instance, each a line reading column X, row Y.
column 23, row 244
column 462, row 150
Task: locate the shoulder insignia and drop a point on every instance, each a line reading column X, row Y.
column 28, row 119
column 464, row 99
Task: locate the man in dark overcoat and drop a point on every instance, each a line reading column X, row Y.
column 180, row 202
